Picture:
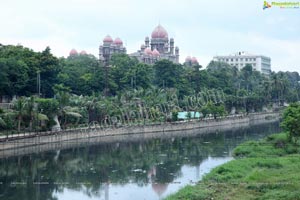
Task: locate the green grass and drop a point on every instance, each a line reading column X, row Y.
column 266, row 169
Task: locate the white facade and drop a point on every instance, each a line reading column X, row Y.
column 239, row 60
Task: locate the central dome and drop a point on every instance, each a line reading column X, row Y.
column 159, row 32
column 108, row 39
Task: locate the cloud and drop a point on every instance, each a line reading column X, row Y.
column 200, row 28
column 285, row 53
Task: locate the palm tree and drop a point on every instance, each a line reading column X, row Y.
column 90, row 103
column 2, row 122
column 280, row 86
column 64, row 110
column 30, row 110
column 19, row 106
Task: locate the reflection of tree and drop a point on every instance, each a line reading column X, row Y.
column 90, row 169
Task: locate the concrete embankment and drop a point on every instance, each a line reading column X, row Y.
column 78, row 137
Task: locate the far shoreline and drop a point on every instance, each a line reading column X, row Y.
column 45, row 141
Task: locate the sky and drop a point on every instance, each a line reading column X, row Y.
column 200, row 28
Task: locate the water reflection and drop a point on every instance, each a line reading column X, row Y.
column 148, row 169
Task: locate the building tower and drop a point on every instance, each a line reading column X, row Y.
column 177, row 54
column 159, row 38
column 172, row 46
column 147, row 42
column 158, row 47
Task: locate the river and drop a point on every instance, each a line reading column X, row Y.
column 144, row 169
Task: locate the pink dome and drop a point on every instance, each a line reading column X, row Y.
column 159, row 32
column 108, row 39
column 118, row 41
column 188, row 59
column 194, row 60
column 73, row 52
column 83, row 52
column 148, row 51
column 155, row 52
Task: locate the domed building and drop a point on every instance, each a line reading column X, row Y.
column 83, row 52
column 159, row 47
column 110, row 47
column 73, row 52
column 191, row 61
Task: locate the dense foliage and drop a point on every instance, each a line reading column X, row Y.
column 82, row 90
column 291, row 121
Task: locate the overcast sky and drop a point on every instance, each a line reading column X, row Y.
column 200, row 28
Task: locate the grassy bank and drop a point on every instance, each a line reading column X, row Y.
column 266, row 169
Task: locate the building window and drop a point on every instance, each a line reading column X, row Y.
column 236, row 60
column 254, row 64
column 241, row 59
column 246, row 59
column 254, row 59
column 231, row 59
column 226, row 60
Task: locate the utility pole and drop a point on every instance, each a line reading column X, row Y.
column 38, row 83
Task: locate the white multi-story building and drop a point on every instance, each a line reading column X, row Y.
column 240, row 59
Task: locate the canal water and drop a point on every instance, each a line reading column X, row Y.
column 147, row 169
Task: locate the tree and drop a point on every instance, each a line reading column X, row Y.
column 247, row 72
column 2, row 122
column 19, row 106
column 83, row 74
column 121, row 72
column 31, row 110
column 138, row 76
column 64, row 109
column 291, row 121
column 4, row 81
column 20, row 66
column 49, row 69
column 48, row 107
column 171, row 75
column 221, row 75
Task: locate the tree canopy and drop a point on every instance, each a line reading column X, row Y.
column 73, row 88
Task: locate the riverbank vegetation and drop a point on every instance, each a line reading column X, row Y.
column 75, row 90
column 265, row 169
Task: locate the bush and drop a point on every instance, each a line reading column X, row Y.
column 291, row 122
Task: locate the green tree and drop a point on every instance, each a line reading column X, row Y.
column 291, row 121
column 19, row 106
column 47, row 107
column 121, row 72
column 83, row 74
column 22, row 64
column 2, row 122
column 31, row 110
column 49, row 69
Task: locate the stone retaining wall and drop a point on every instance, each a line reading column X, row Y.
column 71, row 138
